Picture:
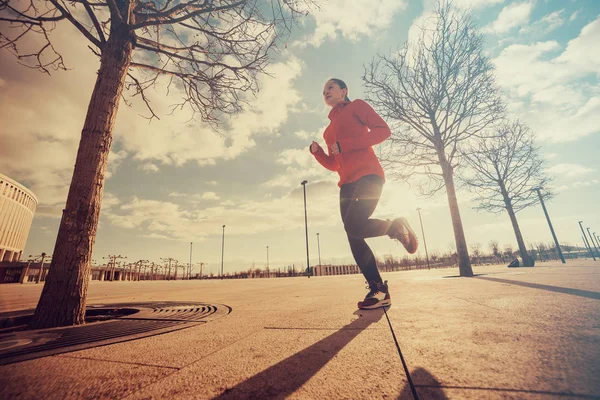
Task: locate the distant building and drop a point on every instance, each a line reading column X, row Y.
column 321, row 270
column 17, row 206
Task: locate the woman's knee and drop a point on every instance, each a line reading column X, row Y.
column 353, row 228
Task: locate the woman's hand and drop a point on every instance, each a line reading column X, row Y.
column 314, row 147
column 335, row 148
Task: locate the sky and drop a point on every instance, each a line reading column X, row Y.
column 172, row 182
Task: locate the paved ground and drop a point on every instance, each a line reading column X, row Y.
column 522, row 333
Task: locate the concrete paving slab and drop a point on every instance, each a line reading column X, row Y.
column 181, row 348
column 523, row 333
column 301, row 363
column 69, row 378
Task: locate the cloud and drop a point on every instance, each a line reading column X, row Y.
column 569, row 170
column 352, row 19
column 42, row 117
column 475, row 4
column 545, row 25
column 585, row 183
column 109, row 200
column 511, row 16
column 310, row 136
column 574, row 16
column 210, row 196
column 176, row 222
column 149, row 167
column 115, row 158
column 579, row 53
column 195, row 198
column 177, row 139
column 299, row 163
column 548, row 87
column 427, row 20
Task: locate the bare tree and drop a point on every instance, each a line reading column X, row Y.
column 436, row 93
column 568, row 248
column 503, row 172
column 476, row 252
column 212, row 50
column 508, row 251
column 495, row 249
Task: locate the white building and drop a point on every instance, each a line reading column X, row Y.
column 17, row 207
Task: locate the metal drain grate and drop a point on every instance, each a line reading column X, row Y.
column 184, row 313
column 151, row 319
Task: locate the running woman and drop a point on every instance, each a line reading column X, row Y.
column 353, row 129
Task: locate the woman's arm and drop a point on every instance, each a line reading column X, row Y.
column 326, row 160
column 378, row 129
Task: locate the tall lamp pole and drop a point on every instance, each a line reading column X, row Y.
column 319, row 247
column 594, row 243
column 423, row 234
column 303, row 183
column 267, row 258
column 562, row 258
column 190, row 270
column 587, row 243
column 222, row 251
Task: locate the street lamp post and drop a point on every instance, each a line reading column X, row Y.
column 585, row 244
column 319, row 247
column 112, row 263
column 267, row 258
column 141, row 263
column 303, row 183
column 423, row 234
column 43, row 257
column 592, row 238
column 593, row 242
column 41, row 273
column 169, row 260
column 190, row 270
column 25, row 271
column 586, row 241
column 201, row 269
column 222, row 251
column 550, row 225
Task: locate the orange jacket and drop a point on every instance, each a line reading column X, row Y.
column 355, row 127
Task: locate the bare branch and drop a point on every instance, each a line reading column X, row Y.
column 92, row 16
column 140, row 90
column 212, row 50
column 189, row 10
column 504, row 170
column 76, row 23
column 114, row 10
column 441, row 89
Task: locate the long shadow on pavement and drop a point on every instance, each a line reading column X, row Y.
column 505, row 391
column 426, row 385
column 285, row 377
column 558, row 289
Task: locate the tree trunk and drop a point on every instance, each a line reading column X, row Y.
column 464, row 264
column 527, row 260
column 63, row 299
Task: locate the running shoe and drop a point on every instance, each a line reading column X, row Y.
column 378, row 296
column 401, row 231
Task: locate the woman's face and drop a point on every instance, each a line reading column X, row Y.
column 333, row 94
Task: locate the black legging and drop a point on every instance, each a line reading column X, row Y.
column 357, row 202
